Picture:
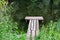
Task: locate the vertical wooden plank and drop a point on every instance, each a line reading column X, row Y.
column 37, row 28
column 33, row 34
column 29, row 30
column 33, row 30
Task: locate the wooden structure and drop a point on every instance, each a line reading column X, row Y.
column 33, row 27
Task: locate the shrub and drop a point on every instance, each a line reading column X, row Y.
column 50, row 32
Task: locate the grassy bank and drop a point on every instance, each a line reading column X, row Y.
column 50, row 31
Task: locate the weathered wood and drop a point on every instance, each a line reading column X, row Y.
column 33, row 27
column 38, row 18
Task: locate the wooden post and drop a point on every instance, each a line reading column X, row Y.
column 33, row 27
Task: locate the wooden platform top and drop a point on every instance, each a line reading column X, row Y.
column 34, row 17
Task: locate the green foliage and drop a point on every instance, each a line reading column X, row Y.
column 6, row 22
column 50, row 32
column 47, row 8
column 12, row 19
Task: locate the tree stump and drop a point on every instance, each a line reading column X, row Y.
column 33, row 27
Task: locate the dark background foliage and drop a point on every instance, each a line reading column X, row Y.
column 49, row 9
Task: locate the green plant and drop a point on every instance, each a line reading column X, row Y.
column 50, row 32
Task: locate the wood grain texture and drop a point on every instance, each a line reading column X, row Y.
column 33, row 27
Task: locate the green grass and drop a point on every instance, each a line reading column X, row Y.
column 50, row 31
